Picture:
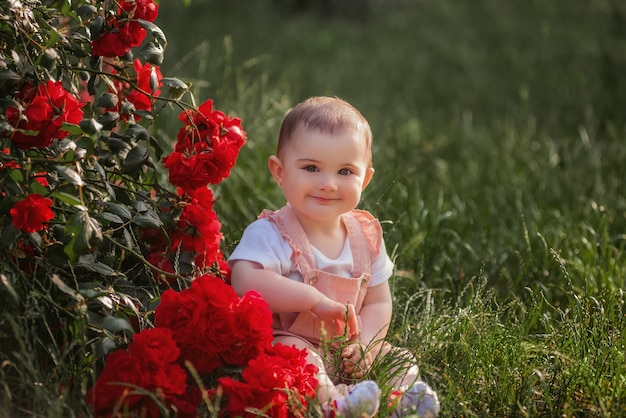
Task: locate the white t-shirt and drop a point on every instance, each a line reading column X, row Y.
column 262, row 243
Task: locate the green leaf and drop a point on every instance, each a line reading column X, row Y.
column 156, row 146
column 174, row 83
column 107, row 100
column 135, row 159
column 104, row 346
column 36, row 187
column 137, row 131
column 72, row 128
column 70, row 175
column 8, row 76
column 120, row 210
column 86, row 11
column 90, row 126
column 9, row 236
column 65, row 288
column 128, row 239
column 16, row 176
column 115, row 324
column 97, row 267
column 108, row 120
column 67, row 198
column 151, row 53
column 156, row 31
column 111, row 217
column 56, row 256
column 82, row 228
column 176, row 88
column 148, row 219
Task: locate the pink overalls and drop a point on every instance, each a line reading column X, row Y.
column 364, row 247
column 365, row 235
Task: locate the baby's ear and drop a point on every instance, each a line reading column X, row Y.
column 368, row 176
column 276, row 168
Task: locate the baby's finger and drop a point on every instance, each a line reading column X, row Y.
column 338, row 327
column 348, row 352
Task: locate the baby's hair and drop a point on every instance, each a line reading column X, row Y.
column 327, row 114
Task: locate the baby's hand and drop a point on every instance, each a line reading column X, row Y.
column 332, row 312
column 356, row 360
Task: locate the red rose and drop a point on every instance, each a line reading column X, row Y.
column 275, row 382
column 141, row 9
column 46, row 108
column 123, row 31
column 199, row 128
column 175, row 311
column 199, row 229
column 185, row 314
column 119, row 39
column 190, row 172
column 155, row 347
column 145, row 73
column 205, row 126
column 149, row 364
column 108, row 392
column 207, row 147
column 252, row 329
column 31, row 213
column 212, row 326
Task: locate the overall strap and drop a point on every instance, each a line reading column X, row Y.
column 359, row 247
column 366, row 236
column 292, row 232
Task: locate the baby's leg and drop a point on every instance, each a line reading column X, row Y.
column 405, row 370
column 417, row 396
column 326, row 390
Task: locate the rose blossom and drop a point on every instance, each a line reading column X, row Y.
column 123, row 31
column 209, row 320
column 252, row 329
column 141, row 9
column 149, row 364
column 120, row 366
column 144, row 72
column 31, row 213
column 119, row 39
column 198, row 229
column 207, row 147
column 46, row 108
column 271, row 382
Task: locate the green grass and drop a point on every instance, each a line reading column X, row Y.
column 499, row 149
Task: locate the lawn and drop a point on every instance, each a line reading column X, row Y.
column 499, row 155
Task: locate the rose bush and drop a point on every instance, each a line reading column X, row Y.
column 114, row 287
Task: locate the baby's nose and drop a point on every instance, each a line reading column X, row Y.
column 328, row 182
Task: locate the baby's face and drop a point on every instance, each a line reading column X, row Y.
column 323, row 174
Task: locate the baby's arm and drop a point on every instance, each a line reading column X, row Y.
column 376, row 314
column 286, row 295
column 375, row 318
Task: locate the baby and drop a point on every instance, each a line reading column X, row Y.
column 322, row 265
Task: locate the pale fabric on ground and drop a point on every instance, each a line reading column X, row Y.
column 362, row 401
column 419, row 400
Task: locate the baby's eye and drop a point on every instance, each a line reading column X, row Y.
column 310, row 168
column 345, row 171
